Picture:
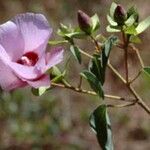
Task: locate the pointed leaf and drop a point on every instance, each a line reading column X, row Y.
column 98, row 63
column 131, row 30
column 112, row 9
column 135, row 39
column 76, row 52
column 130, row 21
column 143, row 25
column 146, row 70
column 40, row 91
column 100, row 123
column 111, row 29
column 57, row 42
column 94, row 82
column 111, row 21
column 95, row 22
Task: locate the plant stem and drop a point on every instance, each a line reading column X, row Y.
column 138, row 55
column 80, row 82
column 135, row 77
column 122, row 105
column 137, row 97
column 116, row 72
column 139, row 100
column 98, row 49
column 76, row 89
column 86, row 54
column 125, row 47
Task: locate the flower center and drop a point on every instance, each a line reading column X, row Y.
column 28, row 59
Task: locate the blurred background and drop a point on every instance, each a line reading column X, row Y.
column 58, row 120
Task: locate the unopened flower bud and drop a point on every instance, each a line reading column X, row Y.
column 84, row 22
column 119, row 15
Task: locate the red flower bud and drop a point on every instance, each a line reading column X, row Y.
column 119, row 15
column 84, row 22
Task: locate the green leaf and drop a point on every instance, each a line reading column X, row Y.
column 64, row 28
column 135, row 39
column 98, row 63
column 40, row 91
column 130, row 21
column 57, row 42
column 94, row 82
column 112, row 9
column 100, row 123
column 56, row 75
column 106, row 50
column 111, row 21
column 96, row 68
column 142, row 26
column 76, row 52
column 133, row 11
column 78, row 35
column 146, row 70
column 69, row 33
column 131, row 30
column 95, row 22
column 111, row 29
column 55, row 71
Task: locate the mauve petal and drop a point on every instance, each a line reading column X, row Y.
column 8, row 80
column 41, row 63
column 54, row 57
column 25, row 72
column 35, row 31
column 42, row 82
column 11, row 40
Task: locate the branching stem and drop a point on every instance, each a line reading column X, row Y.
column 76, row 89
column 126, row 82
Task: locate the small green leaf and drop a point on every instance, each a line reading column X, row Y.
column 100, row 123
column 130, row 21
column 95, row 22
column 111, row 21
column 40, row 91
column 111, row 29
column 133, row 11
column 94, row 82
column 58, row 78
column 146, row 70
column 55, row 71
column 57, row 42
column 78, row 35
column 64, row 28
column 142, row 26
column 55, row 74
column 76, row 52
column 112, row 9
column 131, row 30
column 135, row 39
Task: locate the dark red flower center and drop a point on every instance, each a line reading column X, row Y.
column 28, row 59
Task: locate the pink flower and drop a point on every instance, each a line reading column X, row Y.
column 23, row 57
